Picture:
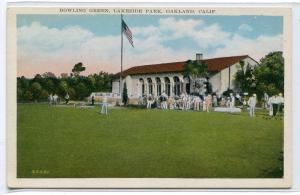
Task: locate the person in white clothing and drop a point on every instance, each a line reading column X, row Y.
column 104, row 109
column 163, row 101
column 50, row 98
column 184, row 102
column 208, row 102
column 215, row 101
column 150, row 100
column 266, row 101
column 252, row 104
column 280, row 104
column 55, row 97
column 232, row 101
column 197, row 101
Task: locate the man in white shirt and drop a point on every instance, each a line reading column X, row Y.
column 252, row 104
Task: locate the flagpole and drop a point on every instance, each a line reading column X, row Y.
column 121, row 86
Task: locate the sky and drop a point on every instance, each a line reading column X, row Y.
column 55, row 43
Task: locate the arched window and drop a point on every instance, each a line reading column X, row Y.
column 158, row 86
column 187, row 83
column 142, row 86
column 177, row 86
column 167, row 86
column 150, row 86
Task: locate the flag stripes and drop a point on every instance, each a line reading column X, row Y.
column 127, row 32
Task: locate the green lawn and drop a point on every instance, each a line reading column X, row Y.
column 72, row 142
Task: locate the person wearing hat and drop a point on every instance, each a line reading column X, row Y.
column 252, row 104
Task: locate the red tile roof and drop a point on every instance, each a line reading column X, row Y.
column 214, row 65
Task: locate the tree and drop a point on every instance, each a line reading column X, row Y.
column 81, row 91
column 195, row 69
column 44, row 95
column 267, row 77
column 270, row 74
column 50, row 86
column 48, row 75
column 36, row 90
column 62, row 88
column 245, row 78
column 64, row 75
column 198, row 73
column 28, row 96
column 78, row 87
column 20, row 94
column 125, row 95
column 72, row 93
column 78, row 68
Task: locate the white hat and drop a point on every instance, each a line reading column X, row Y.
column 254, row 95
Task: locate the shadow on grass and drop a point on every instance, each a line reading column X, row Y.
column 274, row 172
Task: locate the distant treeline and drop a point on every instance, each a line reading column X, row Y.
column 78, row 87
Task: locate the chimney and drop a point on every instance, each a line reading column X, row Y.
column 199, row 57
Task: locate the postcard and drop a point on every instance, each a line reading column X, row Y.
column 149, row 97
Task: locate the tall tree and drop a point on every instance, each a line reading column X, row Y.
column 270, row 74
column 245, row 78
column 267, row 77
column 78, row 68
column 198, row 73
column 195, row 69
column 62, row 88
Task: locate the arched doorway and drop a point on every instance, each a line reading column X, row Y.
column 150, row 86
column 142, row 87
column 177, row 90
column 158, row 86
column 187, row 84
column 167, row 86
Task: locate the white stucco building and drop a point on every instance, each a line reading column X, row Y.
column 168, row 77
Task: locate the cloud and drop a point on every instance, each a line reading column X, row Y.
column 245, row 27
column 43, row 49
column 256, row 48
column 42, row 38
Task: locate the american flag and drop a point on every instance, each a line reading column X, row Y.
column 127, row 32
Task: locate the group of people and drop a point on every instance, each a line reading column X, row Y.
column 206, row 102
column 53, row 99
column 187, row 102
column 274, row 104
